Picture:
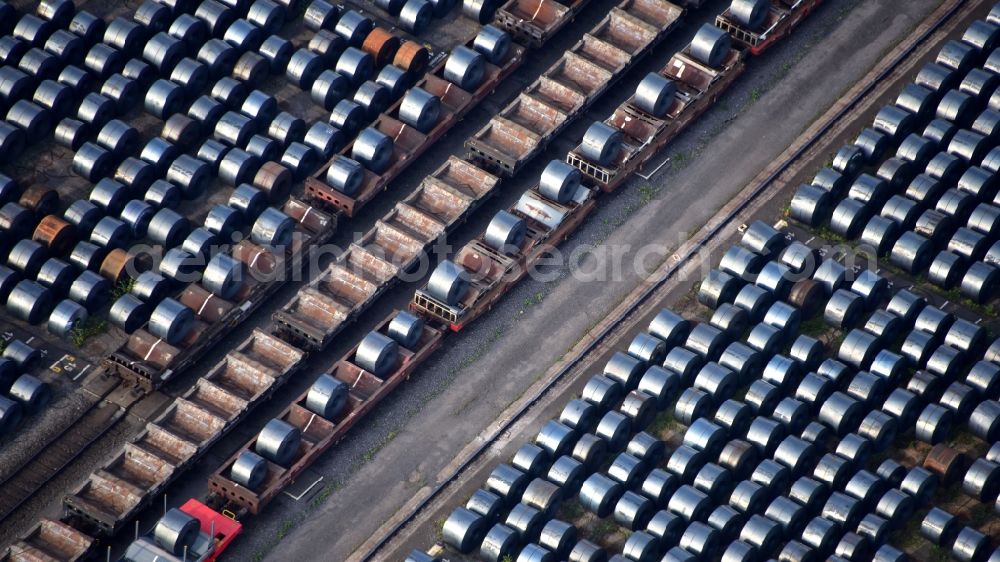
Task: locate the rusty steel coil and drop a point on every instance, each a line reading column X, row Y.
column 382, row 46
column 117, row 265
column 413, row 57
column 274, row 180
column 56, row 234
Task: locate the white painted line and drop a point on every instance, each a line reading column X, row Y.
column 29, row 339
column 306, row 491
column 80, row 374
column 810, row 240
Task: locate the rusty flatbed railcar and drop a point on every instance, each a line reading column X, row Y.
column 408, row 142
column 50, row 540
column 491, row 273
column 534, row 22
column 148, row 362
column 782, row 18
column 564, row 91
column 698, row 88
column 318, row 433
column 179, row 436
column 372, row 263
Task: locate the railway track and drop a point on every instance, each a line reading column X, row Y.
column 53, row 457
column 651, row 289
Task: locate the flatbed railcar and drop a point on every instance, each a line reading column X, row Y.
column 51, row 540
column 408, row 142
column 563, row 92
column 782, row 18
column 182, row 434
column 373, row 263
column 534, row 22
column 492, row 273
column 698, row 88
column 149, row 362
column 319, row 434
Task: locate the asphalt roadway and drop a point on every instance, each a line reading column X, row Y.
column 453, row 399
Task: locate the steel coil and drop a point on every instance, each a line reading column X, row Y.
column 500, row 543
column 602, row 144
column 219, row 56
column 465, row 68
column 65, row 318
column 733, row 320
column 356, row 65
column 301, row 159
column 223, row 276
column 416, row 16
column 849, row 160
column 29, row 301
column 710, row 45
column 325, row 139
column 278, row 52
column 129, row 313
column 329, row 88
column 212, row 152
column 464, row 530
column 264, row 148
column 754, row 300
column 163, row 99
column 734, row 416
column 238, row 167
column 201, row 243
column 507, row 482
column 110, row 233
column 278, row 442
column 162, row 194
column 249, row 470
column 420, row 109
column 377, row 354
column 373, row 149
column 750, row 14
column 532, row 460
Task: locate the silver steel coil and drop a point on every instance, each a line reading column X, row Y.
column 129, row 313
column 268, row 15
column 223, row 276
column 249, row 470
column 201, row 243
column 345, row 175
column 416, row 16
column 500, row 543
column 278, row 442
column 373, row 149
column 238, row 167
column 356, row 65
column 69, row 133
column 190, row 174
column 325, row 139
column 278, row 52
column 163, row 99
column 329, row 88
column 464, row 530
column 466, row 68
column 377, row 354
column 691, row 405
column 194, row 32
column 193, row 77
column 65, row 318
column 710, row 45
column 301, row 159
column 171, row 321
column 29, row 301
column 347, row 115
column 420, row 109
column 162, row 194
column 86, row 255
column 207, row 110
column 354, row 27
